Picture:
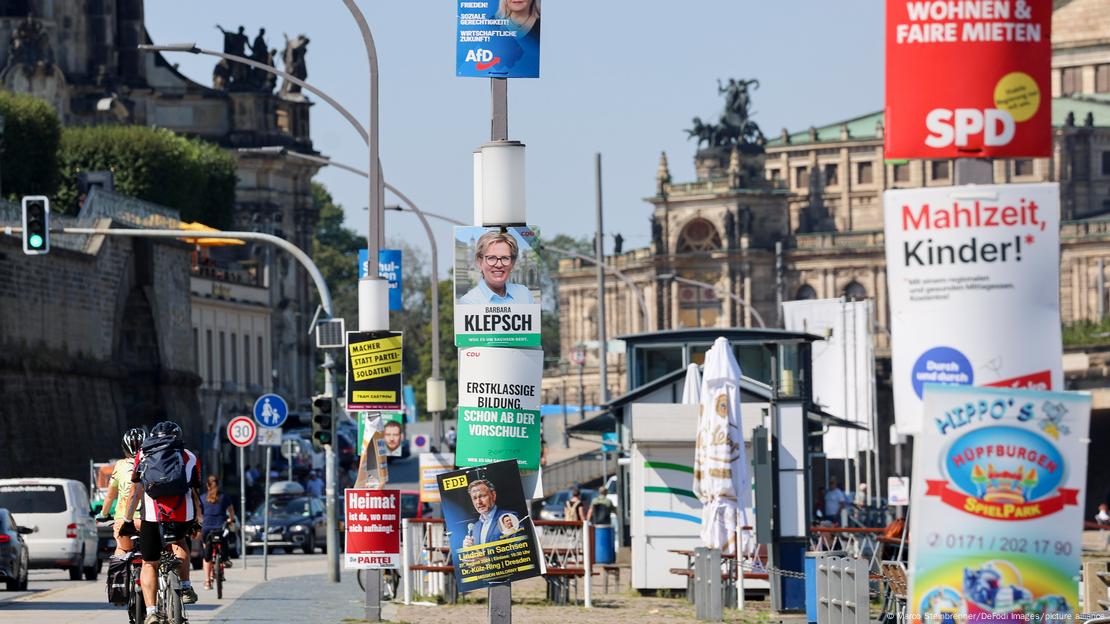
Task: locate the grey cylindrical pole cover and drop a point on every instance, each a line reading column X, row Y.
column 503, row 200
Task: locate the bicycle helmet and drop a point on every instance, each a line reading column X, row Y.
column 133, row 441
column 166, row 428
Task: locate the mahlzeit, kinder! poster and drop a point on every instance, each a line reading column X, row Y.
column 996, row 514
column 973, row 276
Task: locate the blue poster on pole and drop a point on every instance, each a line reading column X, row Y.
column 389, row 267
column 498, row 39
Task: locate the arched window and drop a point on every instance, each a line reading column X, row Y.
column 855, row 291
column 698, row 235
column 805, row 292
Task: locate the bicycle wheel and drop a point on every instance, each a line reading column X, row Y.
column 218, row 561
column 175, row 611
column 137, row 612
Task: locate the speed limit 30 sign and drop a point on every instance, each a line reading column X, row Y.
column 241, row 431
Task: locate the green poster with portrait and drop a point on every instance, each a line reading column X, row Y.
column 497, row 287
column 499, row 406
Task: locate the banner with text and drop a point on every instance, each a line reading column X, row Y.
column 968, row 79
column 499, row 406
column 389, row 268
column 973, row 276
column 373, row 529
column 431, row 466
column 496, row 40
column 1007, row 469
column 497, row 287
column 373, row 371
column 491, row 535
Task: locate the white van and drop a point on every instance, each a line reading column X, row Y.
column 64, row 529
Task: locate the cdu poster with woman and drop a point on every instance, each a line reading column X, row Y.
column 497, row 287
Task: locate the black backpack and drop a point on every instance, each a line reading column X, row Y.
column 162, row 472
column 119, row 580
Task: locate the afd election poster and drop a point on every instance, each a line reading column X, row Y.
column 1006, row 468
column 491, row 535
column 373, row 371
column 498, row 39
column 373, row 529
column 499, row 406
column 431, row 466
column 973, row 275
column 389, row 269
column 497, row 287
column 968, row 79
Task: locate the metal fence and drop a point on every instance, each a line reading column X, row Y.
column 426, row 568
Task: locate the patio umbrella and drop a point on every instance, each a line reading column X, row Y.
column 721, row 479
column 691, row 390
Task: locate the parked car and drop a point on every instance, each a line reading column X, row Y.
column 64, row 532
column 14, row 557
column 554, row 505
column 296, row 520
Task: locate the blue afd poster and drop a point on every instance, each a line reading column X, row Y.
column 389, row 267
column 498, row 39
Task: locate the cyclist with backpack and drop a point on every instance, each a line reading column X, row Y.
column 167, row 476
column 119, row 490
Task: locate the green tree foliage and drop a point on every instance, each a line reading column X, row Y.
column 550, row 337
column 335, row 250
column 154, row 164
column 31, row 138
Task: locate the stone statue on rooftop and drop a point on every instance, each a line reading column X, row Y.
column 735, row 125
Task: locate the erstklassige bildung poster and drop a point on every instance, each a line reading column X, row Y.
column 491, row 534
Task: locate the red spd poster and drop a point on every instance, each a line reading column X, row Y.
column 968, row 79
column 373, row 529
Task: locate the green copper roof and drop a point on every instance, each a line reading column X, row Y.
column 863, row 128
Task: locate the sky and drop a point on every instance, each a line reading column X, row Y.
column 620, row 78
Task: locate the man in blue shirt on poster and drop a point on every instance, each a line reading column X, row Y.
column 493, row 524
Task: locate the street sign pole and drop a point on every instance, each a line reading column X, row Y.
column 242, row 508
column 266, row 521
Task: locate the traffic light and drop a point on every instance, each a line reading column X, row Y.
column 321, row 420
column 36, row 225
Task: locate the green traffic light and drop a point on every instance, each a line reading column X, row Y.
column 35, row 241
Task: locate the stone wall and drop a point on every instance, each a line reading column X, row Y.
column 93, row 340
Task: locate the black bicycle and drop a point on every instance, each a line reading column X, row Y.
column 217, row 552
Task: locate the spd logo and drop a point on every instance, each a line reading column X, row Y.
column 483, row 59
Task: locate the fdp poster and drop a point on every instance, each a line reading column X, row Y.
column 373, row 529
column 498, row 39
column 974, row 285
column 373, row 371
column 497, row 287
column 1006, row 470
column 491, row 533
column 499, row 406
column 968, row 78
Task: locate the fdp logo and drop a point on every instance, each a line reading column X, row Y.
column 483, row 59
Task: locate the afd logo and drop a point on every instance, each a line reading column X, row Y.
column 482, row 59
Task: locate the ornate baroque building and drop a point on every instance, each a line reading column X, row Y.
column 82, row 57
column 803, row 219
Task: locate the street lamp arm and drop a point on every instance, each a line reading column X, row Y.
column 296, row 252
column 269, row 69
column 374, row 168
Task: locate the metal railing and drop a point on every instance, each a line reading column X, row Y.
column 426, row 567
column 573, row 471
